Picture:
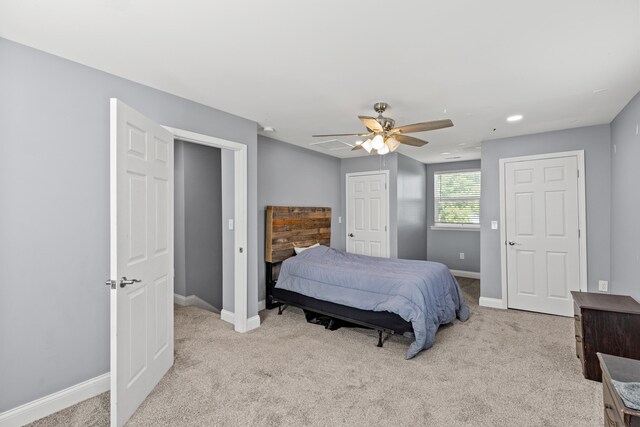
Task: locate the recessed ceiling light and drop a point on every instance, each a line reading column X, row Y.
column 268, row 129
column 445, row 153
column 514, row 118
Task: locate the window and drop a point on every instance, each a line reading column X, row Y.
column 457, row 199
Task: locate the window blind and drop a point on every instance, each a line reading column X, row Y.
column 457, row 197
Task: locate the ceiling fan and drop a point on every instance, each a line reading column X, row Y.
column 384, row 137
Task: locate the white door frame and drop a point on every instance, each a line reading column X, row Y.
column 386, row 191
column 240, row 322
column 582, row 219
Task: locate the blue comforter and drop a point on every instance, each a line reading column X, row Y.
column 422, row 292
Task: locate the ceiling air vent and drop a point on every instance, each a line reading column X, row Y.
column 332, row 145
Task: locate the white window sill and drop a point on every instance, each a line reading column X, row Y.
column 456, row 228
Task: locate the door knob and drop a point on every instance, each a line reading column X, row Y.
column 124, row 281
column 351, row 235
column 511, row 243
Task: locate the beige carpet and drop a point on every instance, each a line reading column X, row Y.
column 500, row 368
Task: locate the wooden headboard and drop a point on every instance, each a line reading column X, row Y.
column 289, row 226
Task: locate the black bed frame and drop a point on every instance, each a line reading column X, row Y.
column 382, row 322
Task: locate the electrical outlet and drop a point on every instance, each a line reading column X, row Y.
column 603, row 285
column 461, row 255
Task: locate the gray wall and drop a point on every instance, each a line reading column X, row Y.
column 228, row 237
column 372, row 162
column 443, row 245
column 596, row 142
column 201, row 195
column 54, row 221
column 412, row 209
column 293, row 176
column 179, row 244
column 625, row 201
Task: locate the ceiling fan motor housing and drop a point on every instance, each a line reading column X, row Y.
column 386, row 123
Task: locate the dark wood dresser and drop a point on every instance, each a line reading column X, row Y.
column 616, row 414
column 608, row 324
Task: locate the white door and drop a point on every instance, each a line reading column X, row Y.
column 542, row 233
column 367, row 214
column 141, row 251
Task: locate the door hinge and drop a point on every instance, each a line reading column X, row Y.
column 578, row 233
column 578, row 173
column 385, row 228
column 385, row 185
column 111, row 283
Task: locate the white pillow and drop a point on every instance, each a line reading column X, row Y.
column 298, row 250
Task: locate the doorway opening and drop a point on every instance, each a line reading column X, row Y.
column 233, row 155
column 202, row 267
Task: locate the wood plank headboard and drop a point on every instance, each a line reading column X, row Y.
column 289, row 226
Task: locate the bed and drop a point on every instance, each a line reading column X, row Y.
column 412, row 298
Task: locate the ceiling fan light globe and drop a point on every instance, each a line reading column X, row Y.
column 367, row 145
column 393, row 144
column 377, row 142
column 359, row 142
column 383, row 150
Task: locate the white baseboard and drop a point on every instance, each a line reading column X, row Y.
column 179, row 299
column 253, row 323
column 54, row 402
column 462, row 273
column 491, row 302
column 228, row 316
column 262, row 304
column 194, row 300
column 199, row 302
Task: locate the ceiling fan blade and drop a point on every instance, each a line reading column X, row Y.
column 371, row 123
column 409, row 140
column 356, row 147
column 422, row 127
column 342, row 134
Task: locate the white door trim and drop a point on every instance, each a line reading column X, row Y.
column 241, row 322
column 582, row 218
column 387, row 202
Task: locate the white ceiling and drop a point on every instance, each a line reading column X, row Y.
column 307, row 67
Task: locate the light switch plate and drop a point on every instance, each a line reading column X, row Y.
column 494, row 225
column 230, row 224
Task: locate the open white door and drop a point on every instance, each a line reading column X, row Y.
column 142, row 252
